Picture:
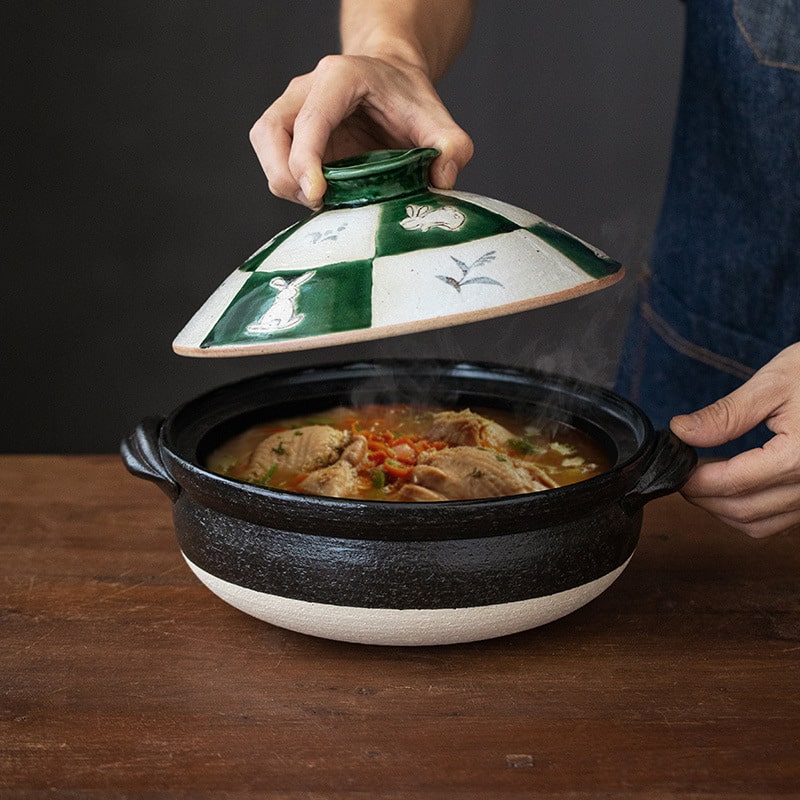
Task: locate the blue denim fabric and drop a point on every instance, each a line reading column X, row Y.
column 723, row 293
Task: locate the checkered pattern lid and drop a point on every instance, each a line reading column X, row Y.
column 387, row 256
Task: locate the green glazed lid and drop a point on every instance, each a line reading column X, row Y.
column 388, row 255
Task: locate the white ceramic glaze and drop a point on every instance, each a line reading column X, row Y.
column 386, row 256
column 405, row 627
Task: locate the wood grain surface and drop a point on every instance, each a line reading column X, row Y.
column 121, row 676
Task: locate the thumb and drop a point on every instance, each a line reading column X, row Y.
column 439, row 130
column 727, row 418
column 456, row 149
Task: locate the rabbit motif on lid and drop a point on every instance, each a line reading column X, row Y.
column 282, row 312
column 423, row 218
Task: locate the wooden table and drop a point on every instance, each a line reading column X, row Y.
column 122, row 676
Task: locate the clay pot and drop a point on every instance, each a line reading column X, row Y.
column 407, row 573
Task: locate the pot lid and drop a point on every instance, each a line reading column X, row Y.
column 389, row 255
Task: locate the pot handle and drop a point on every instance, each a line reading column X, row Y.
column 672, row 463
column 141, row 455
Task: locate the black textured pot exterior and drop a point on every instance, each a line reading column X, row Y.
column 528, row 558
column 379, row 573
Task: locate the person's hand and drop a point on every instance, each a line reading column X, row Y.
column 757, row 491
column 348, row 105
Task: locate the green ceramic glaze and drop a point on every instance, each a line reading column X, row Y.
column 593, row 262
column 377, row 175
column 387, row 255
column 341, row 302
column 426, row 220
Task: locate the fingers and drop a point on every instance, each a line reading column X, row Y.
column 727, row 418
column 271, row 138
column 334, row 93
column 429, row 124
column 777, row 463
column 757, row 492
column 756, row 527
column 772, row 394
column 347, row 105
column 751, row 507
column 456, row 150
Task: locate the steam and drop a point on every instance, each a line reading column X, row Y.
column 580, row 338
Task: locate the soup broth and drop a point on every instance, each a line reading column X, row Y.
column 410, row 453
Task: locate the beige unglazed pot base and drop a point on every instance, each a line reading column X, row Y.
column 405, row 627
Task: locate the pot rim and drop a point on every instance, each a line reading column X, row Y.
column 482, row 516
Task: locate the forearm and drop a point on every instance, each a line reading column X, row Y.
column 377, row 94
column 426, row 33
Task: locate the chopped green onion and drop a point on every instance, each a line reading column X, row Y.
column 266, row 477
column 523, row 446
column 378, row 478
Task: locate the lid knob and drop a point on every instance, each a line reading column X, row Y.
column 377, row 175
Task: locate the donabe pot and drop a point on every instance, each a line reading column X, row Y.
column 407, row 573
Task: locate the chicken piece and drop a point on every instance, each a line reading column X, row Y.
column 536, row 472
column 465, row 473
column 467, row 428
column 340, row 479
column 414, row 493
column 301, row 450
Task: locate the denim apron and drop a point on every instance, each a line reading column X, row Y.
column 722, row 293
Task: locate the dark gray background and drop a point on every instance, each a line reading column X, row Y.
column 134, row 191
